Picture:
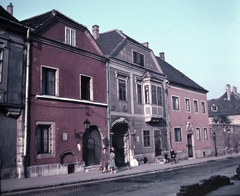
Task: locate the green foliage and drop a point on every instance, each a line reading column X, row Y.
column 221, row 119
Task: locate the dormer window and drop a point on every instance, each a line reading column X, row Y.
column 70, row 36
column 214, row 108
column 138, row 58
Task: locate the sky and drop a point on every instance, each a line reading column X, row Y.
column 200, row 38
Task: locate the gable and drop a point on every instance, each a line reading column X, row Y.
column 52, row 25
column 127, row 52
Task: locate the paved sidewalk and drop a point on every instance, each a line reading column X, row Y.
column 9, row 185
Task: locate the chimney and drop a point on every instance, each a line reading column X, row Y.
column 95, row 31
column 146, row 44
column 228, row 89
column 234, row 90
column 162, row 56
column 10, row 9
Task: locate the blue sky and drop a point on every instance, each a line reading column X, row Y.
column 201, row 38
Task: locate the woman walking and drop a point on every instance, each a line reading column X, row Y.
column 105, row 158
column 112, row 164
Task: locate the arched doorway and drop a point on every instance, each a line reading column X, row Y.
column 92, row 147
column 121, row 142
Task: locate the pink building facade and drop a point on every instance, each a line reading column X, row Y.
column 187, row 114
column 67, row 69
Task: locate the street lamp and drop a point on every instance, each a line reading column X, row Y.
column 86, row 127
column 86, row 124
column 215, row 144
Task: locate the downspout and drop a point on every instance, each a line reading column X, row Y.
column 108, row 102
column 26, row 102
column 169, row 137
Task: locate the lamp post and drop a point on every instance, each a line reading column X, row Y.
column 86, row 124
column 86, row 127
column 215, row 144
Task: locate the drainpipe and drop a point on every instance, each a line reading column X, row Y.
column 169, row 138
column 108, row 101
column 26, row 102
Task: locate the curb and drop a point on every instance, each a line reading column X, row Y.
column 108, row 178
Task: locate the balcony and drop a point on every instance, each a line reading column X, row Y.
column 153, row 113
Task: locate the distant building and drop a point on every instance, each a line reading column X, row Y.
column 224, row 119
column 187, row 113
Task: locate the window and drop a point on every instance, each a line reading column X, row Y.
column 86, row 87
column 154, row 95
column 146, row 138
column 198, row 134
column 205, row 133
column 49, row 81
column 214, row 108
column 45, row 138
column 175, row 102
column 187, row 102
column 146, row 89
column 139, row 93
column 70, row 36
column 159, row 95
column 203, row 107
column 1, row 64
column 138, row 58
column 178, row 134
column 195, row 106
column 122, row 89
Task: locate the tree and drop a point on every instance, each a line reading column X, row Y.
column 221, row 119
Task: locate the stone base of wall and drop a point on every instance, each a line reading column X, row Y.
column 203, row 152
column 145, row 158
column 54, row 169
column 7, row 173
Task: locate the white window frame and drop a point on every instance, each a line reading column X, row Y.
column 195, row 106
column 70, row 36
column 56, row 80
column 198, row 133
column 51, row 140
column 91, row 86
column 143, row 142
column 141, row 93
column 177, row 103
column 205, row 133
column 203, row 107
column 125, row 78
column 214, row 108
column 175, row 139
column 187, row 105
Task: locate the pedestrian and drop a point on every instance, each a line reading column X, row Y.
column 173, row 156
column 166, row 158
column 112, row 164
column 104, row 160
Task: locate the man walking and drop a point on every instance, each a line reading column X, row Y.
column 173, row 156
